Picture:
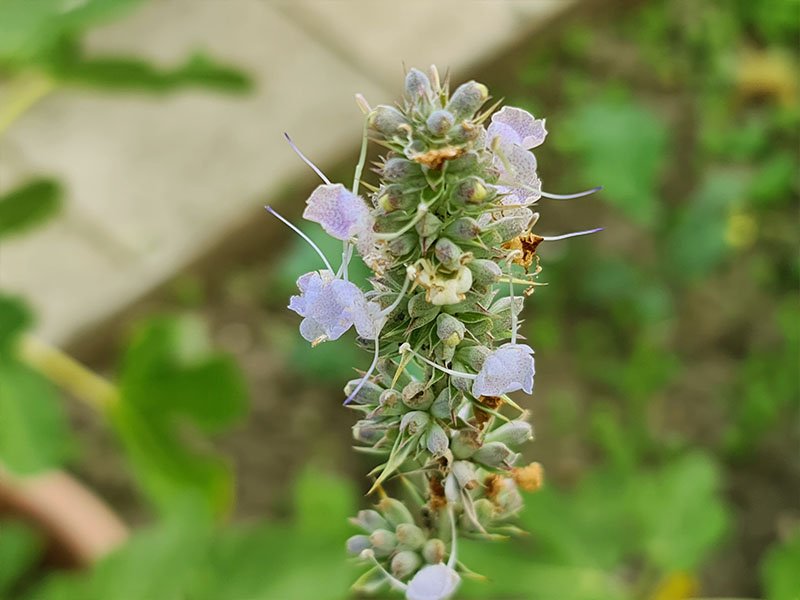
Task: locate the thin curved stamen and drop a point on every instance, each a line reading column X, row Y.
column 422, row 209
column 406, row 347
column 305, row 159
column 308, row 240
column 367, row 375
column 511, row 295
column 362, row 158
column 571, row 196
column 400, row 295
column 369, row 554
column 347, row 254
column 565, row 236
column 451, row 562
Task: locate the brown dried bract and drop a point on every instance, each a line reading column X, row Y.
column 437, row 497
column 494, row 485
column 481, row 416
column 436, row 157
column 527, row 245
column 530, row 478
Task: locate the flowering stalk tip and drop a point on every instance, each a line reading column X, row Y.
column 445, row 229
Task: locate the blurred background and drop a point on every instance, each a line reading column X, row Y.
column 139, row 141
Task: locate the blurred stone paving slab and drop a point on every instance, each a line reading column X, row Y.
column 155, row 181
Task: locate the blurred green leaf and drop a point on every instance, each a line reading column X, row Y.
column 28, row 204
column 33, row 430
column 169, row 378
column 30, row 29
column 680, row 512
column 779, row 570
column 622, row 147
column 14, row 319
column 20, row 548
column 323, row 503
column 127, row 72
column 775, row 180
column 697, row 242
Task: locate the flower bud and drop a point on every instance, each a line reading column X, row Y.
column 417, row 396
column 415, row 422
column 506, row 498
column 400, row 169
column 465, row 132
column 356, row 544
column 395, row 197
column 467, row 99
column 404, row 563
column 465, row 474
column 471, row 190
column 463, row 229
column 409, row 536
column 447, row 253
column 417, row 85
column 368, row 394
column 464, row 443
column 493, row 454
column 437, row 442
column 467, row 163
column 429, row 225
column 485, row 272
column 462, row 384
column 484, row 511
column 400, row 246
column 449, row 329
column 444, row 354
column 440, row 121
column 513, row 433
column 386, row 120
column 395, row 512
column 369, row 520
column 368, row 432
column 383, row 541
column 474, row 356
column 434, row 551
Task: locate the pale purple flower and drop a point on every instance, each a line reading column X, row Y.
column 518, row 127
column 341, row 213
column 507, row 369
column 330, row 306
column 434, row 582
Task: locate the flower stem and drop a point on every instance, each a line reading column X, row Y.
column 69, row 374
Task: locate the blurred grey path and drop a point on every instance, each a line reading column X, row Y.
column 155, row 181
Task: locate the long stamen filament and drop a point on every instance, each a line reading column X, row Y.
column 406, row 347
column 555, row 238
column 367, row 375
column 451, row 562
column 400, row 295
column 294, row 228
column 422, row 209
column 571, row 196
column 305, row 159
column 369, row 554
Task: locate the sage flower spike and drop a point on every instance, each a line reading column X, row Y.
column 516, row 126
column 507, row 369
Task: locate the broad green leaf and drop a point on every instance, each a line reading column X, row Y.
column 20, row 547
column 29, row 29
column 14, row 319
column 779, row 570
column 681, row 513
column 622, row 147
column 28, row 205
column 33, row 431
column 169, row 379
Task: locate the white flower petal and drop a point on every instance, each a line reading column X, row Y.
column 341, row 213
column 434, row 582
column 518, row 126
column 507, row 369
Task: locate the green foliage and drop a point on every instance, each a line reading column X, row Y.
column 20, row 548
column 622, row 145
column 28, row 205
column 170, row 378
column 779, row 571
column 33, row 431
column 185, row 557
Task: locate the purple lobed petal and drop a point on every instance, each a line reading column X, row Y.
column 434, row 582
column 507, row 369
column 517, row 126
column 341, row 213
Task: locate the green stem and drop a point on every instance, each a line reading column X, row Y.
column 69, row 374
